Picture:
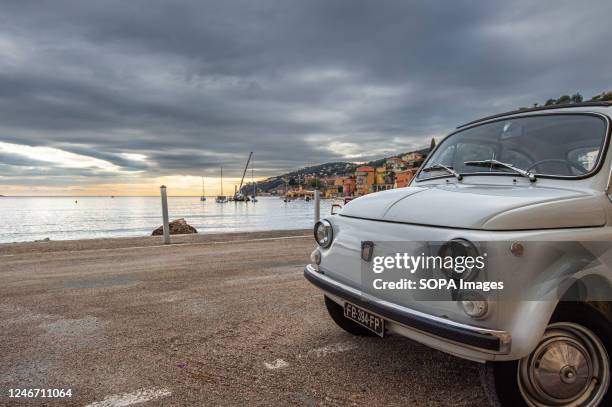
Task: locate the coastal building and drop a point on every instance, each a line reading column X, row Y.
column 344, row 186
column 385, row 176
column 403, row 178
column 279, row 190
column 364, row 179
column 300, row 192
column 381, row 187
column 395, row 164
column 329, row 193
column 348, row 186
column 414, row 159
column 381, row 173
column 331, row 179
column 308, row 179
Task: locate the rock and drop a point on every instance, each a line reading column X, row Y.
column 177, row 227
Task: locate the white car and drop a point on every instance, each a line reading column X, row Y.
column 530, row 191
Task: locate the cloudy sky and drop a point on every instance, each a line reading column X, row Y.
column 117, row 97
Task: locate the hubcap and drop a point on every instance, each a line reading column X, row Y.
column 569, row 366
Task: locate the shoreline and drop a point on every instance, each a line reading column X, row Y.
column 10, row 249
column 60, row 219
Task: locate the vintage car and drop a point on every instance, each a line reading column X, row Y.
column 533, row 189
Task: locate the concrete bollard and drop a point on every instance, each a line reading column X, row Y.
column 317, row 205
column 164, row 200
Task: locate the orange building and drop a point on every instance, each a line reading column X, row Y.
column 348, row 186
column 364, row 179
column 382, row 180
column 381, row 173
column 403, row 178
column 345, row 185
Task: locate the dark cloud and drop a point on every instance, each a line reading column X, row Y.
column 20, row 175
column 196, row 84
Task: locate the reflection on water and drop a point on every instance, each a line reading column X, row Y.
column 60, row 218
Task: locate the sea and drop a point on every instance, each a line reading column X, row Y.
column 69, row 218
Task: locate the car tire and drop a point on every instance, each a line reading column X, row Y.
column 337, row 314
column 500, row 380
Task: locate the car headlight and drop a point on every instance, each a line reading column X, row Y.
column 323, row 233
column 459, row 250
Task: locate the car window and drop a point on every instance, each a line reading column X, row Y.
column 586, row 157
column 472, row 152
column 517, row 158
column 547, row 144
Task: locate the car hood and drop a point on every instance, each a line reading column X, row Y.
column 484, row 207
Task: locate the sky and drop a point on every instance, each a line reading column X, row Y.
column 117, row 98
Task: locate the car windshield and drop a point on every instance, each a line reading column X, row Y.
column 567, row 145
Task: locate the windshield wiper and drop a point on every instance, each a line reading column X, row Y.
column 448, row 169
column 496, row 163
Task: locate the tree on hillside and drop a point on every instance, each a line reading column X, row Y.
column 550, row 102
column 433, row 144
column 576, row 98
column 604, row 96
column 564, row 100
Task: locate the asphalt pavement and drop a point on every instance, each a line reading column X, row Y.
column 213, row 320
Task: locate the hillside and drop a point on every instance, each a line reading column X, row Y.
column 341, row 168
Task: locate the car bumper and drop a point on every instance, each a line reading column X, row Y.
column 462, row 340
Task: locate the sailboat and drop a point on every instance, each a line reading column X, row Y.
column 203, row 197
column 221, row 198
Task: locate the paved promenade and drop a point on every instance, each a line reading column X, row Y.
column 210, row 320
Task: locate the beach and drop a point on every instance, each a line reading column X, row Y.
column 213, row 319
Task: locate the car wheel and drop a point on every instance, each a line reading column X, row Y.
column 337, row 314
column 570, row 366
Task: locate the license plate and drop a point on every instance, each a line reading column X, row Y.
column 374, row 323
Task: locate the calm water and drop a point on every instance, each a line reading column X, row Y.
column 60, row 218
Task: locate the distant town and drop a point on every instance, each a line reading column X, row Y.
column 345, row 179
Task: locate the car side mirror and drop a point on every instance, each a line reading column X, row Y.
column 334, row 207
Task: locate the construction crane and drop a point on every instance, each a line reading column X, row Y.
column 239, row 196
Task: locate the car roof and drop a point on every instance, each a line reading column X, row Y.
column 538, row 109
